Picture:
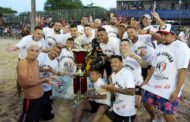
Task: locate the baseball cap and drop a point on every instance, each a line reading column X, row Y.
column 166, row 29
column 147, row 16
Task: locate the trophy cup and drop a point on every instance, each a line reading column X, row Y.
column 79, row 80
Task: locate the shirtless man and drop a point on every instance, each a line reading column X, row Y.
column 29, row 79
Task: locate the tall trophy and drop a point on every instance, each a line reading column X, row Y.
column 79, row 79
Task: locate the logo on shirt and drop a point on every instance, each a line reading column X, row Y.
column 161, row 66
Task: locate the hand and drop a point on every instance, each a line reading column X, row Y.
column 173, row 96
column 143, row 83
column 155, row 15
column 142, row 53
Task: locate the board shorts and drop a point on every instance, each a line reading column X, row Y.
column 165, row 105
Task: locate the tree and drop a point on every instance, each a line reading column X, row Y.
column 62, row 4
column 6, row 11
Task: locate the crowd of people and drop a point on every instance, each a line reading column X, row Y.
column 141, row 65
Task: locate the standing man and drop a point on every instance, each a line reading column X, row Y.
column 48, row 66
column 26, row 41
column 29, row 79
column 109, row 46
column 164, row 82
column 122, row 86
column 55, row 36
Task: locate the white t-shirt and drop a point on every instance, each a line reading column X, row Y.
column 111, row 30
column 78, row 41
column 131, row 64
column 124, row 105
column 44, row 62
column 111, row 47
column 80, row 28
column 97, row 86
column 25, row 43
column 168, row 59
column 53, row 38
column 47, row 30
column 66, row 62
column 125, row 35
column 144, row 42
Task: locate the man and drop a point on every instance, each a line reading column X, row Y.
column 76, row 36
column 101, row 101
column 142, row 46
column 108, row 45
column 55, row 36
column 26, row 41
column 146, row 23
column 29, row 79
column 123, row 88
column 89, row 36
column 84, row 21
column 48, row 65
column 133, row 62
column 112, row 29
column 164, row 82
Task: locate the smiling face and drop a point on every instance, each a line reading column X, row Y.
column 33, row 52
column 124, row 47
column 132, row 34
column 55, row 52
column 102, row 36
column 57, row 26
column 116, row 65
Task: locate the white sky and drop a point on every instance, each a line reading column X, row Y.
column 25, row 5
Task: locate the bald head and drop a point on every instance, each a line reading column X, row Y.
column 97, row 23
column 33, row 51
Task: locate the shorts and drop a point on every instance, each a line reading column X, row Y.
column 166, row 106
column 145, row 71
column 138, row 90
column 117, row 118
column 32, row 109
column 48, row 113
column 94, row 106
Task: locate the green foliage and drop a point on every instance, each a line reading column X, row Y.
column 62, row 4
column 6, row 10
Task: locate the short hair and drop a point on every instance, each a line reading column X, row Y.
column 116, row 56
column 70, row 39
column 97, row 65
column 57, row 21
column 101, row 29
column 73, row 26
column 131, row 27
column 127, row 40
column 38, row 28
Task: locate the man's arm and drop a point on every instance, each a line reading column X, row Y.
column 140, row 61
column 180, row 79
column 12, row 48
column 111, row 88
column 149, row 75
column 23, row 76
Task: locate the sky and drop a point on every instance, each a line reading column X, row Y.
column 25, row 5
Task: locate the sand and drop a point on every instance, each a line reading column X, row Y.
column 11, row 105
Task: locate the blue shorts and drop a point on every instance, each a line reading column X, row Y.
column 166, row 106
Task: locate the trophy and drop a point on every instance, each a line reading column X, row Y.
column 79, row 80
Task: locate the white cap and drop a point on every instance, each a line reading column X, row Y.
column 147, row 16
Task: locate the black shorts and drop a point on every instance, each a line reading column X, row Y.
column 48, row 113
column 138, row 90
column 117, row 118
column 94, row 106
column 32, row 109
column 145, row 71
